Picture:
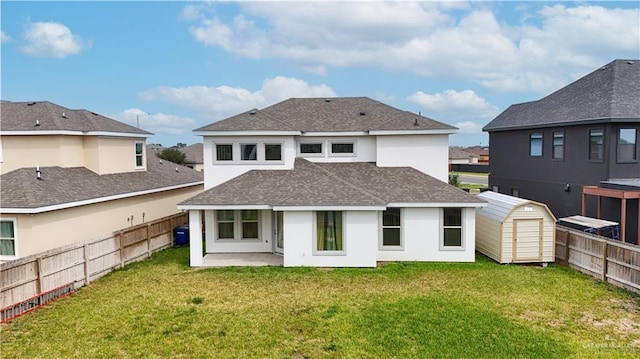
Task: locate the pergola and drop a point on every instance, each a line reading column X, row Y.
column 622, row 194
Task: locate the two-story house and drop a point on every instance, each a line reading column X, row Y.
column 331, row 182
column 577, row 137
column 68, row 176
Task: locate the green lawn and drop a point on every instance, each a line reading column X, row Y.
column 163, row 309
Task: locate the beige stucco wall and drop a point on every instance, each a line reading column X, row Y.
column 32, row 151
column 44, row 231
column 100, row 154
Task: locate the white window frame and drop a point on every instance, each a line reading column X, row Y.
column 264, row 146
column 463, row 240
column 215, row 152
column 142, row 155
column 237, row 227
column 15, row 239
column 322, row 148
column 242, row 152
column 347, row 154
column 314, row 244
column 381, row 245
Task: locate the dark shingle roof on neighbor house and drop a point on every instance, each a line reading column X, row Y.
column 333, row 114
column 63, row 186
column 46, row 116
column 332, row 184
column 459, row 153
column 609, row 94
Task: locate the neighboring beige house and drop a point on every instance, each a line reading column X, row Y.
column 459, row 156
column 194, row 157
column 68, row 176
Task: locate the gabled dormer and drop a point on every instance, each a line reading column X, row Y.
column 45, row 134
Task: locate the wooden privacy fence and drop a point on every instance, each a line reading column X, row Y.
column 610, row 261
column 30, row 282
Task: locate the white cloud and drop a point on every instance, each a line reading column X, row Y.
column 552, row 45
column 51, row 39
column 158, row 123
column 4, row 37
column 468, row 128
column 215, row 103
column 464, row 104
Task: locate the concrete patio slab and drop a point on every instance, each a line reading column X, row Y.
column 242, row 260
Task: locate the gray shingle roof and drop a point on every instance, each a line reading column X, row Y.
column 332, row 184
column 608, row 94
column 193, row 153
column 22, row 116
column 21, row 189
column 327, row 115
column 459, row 153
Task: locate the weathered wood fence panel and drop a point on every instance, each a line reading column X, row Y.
column 611, row 261
column 26, row 282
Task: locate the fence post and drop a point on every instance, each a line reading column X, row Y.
column 604, row 261
column 86, row 264
column 121, row 249
column 148, row 241
column 568, row 250
column 39, row 269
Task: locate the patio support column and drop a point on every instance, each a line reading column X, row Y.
column 195, row 238
column 623, row 219
column 584, row 203
column 599, row 214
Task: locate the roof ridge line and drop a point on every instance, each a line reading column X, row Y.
column 330, row 174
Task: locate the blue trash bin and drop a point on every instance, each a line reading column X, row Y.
column 181, row 235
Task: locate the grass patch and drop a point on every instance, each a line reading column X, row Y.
column 162, row 308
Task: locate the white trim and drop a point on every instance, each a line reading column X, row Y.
column 247, row 133
column 237, row 226
column 143, row 154
column 412, row 132
column 73, row 133
column 334, row 134
column 200, row 207
column 328, row 208
column 96, row 200
column 15, row 239
column 353, row 153
column 436, row 204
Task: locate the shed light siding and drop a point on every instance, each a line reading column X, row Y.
column 495, row 229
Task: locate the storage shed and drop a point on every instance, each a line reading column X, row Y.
column 515, row 230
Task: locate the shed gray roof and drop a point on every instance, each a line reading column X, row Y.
column 20, row 188
column 611, row 93
column 22, row 116
column 332, row 184
column 339, row 114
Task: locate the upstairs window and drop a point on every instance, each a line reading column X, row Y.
column 273, row 152
column 627, row 138
column 7, row 238
column 558, row 145
column 224, row 152
column 535, row 145
column 249, row 152
column 338, row 148
column 311, row 148
column 139, row 154
column 596, row 145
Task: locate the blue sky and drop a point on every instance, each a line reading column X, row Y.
column 176, row 66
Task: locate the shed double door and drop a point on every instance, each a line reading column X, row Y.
column 527, row 240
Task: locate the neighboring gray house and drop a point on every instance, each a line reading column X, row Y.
column 194, row 157
column 581, row 135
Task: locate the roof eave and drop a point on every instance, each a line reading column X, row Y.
column 246, row 133
column 413, row 132
column 35, row 210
